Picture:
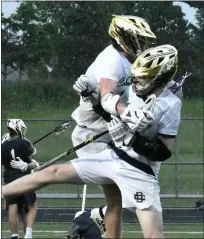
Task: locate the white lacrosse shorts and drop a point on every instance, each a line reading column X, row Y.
column 139, row 190
column 80, row 134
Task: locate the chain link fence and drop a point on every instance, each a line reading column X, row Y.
column 180, row 177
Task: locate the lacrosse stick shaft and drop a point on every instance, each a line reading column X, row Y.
column 45, row 136
column 84, row 198
column 88, row 141
column 58, row 128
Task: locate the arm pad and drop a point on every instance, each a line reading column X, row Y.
column 153, row 150
column 109, row 102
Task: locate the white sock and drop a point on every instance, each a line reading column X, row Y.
column 14, row 235
column 28, row 233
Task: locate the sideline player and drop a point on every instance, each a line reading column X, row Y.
column 17, row 158
column 143, row 139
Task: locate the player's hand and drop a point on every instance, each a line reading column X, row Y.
column 140, row 119
column 85, row 87
column 137, row 119
column 117, row 130
column 19, row 164
column 35, row 162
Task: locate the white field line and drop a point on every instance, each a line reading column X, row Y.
column 167, row 232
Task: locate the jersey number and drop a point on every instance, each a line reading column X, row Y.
column 13, row 154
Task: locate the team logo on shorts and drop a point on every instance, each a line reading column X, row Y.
column 139, row 197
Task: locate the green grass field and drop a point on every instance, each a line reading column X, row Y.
column 190, row 149
column 129, row 231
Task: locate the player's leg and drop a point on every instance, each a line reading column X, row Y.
column 151, row 222
column 140, row 190
column 30, row 201
column 114, row 202
column 98, row 169
column 32, row 182
column 80, row 171
column 13, row 220
column 30, row 218
column 23, row 219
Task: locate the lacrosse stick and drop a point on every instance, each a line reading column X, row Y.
column 150, row 103
column 57, row 130
column 72, row 150
column 84, row 198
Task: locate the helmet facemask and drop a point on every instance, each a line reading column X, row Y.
column 144, row 85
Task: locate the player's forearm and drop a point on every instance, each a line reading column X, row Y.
column 107, row 86
column 120, row 107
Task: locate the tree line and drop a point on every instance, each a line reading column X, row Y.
column 51, row 43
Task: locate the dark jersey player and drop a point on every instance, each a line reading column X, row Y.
column 17, row 159
column 86, row 227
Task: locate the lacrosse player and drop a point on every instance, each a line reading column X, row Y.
column 110, row 72
column 17, row 158
column 91, row 223
column 143, row 134
column 84, row 227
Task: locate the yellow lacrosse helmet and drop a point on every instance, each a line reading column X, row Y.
column 131, row 33
column 153, row 68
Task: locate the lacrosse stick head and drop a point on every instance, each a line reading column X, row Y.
column 149, row 103
column 175, row 85
column 60, row 129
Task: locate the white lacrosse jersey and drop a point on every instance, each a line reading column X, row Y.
column 109, row 64
column 167, row 119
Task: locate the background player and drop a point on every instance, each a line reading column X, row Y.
column 17, row 158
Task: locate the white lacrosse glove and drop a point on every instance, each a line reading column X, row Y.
column 140, row 119
column 137, row 119
column 19, row 164
column 117, row 130
column 109, row 102
column 86, row 88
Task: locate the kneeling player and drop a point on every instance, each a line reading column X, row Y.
column 84, row 227
column 143, row 134
column 17, row 159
